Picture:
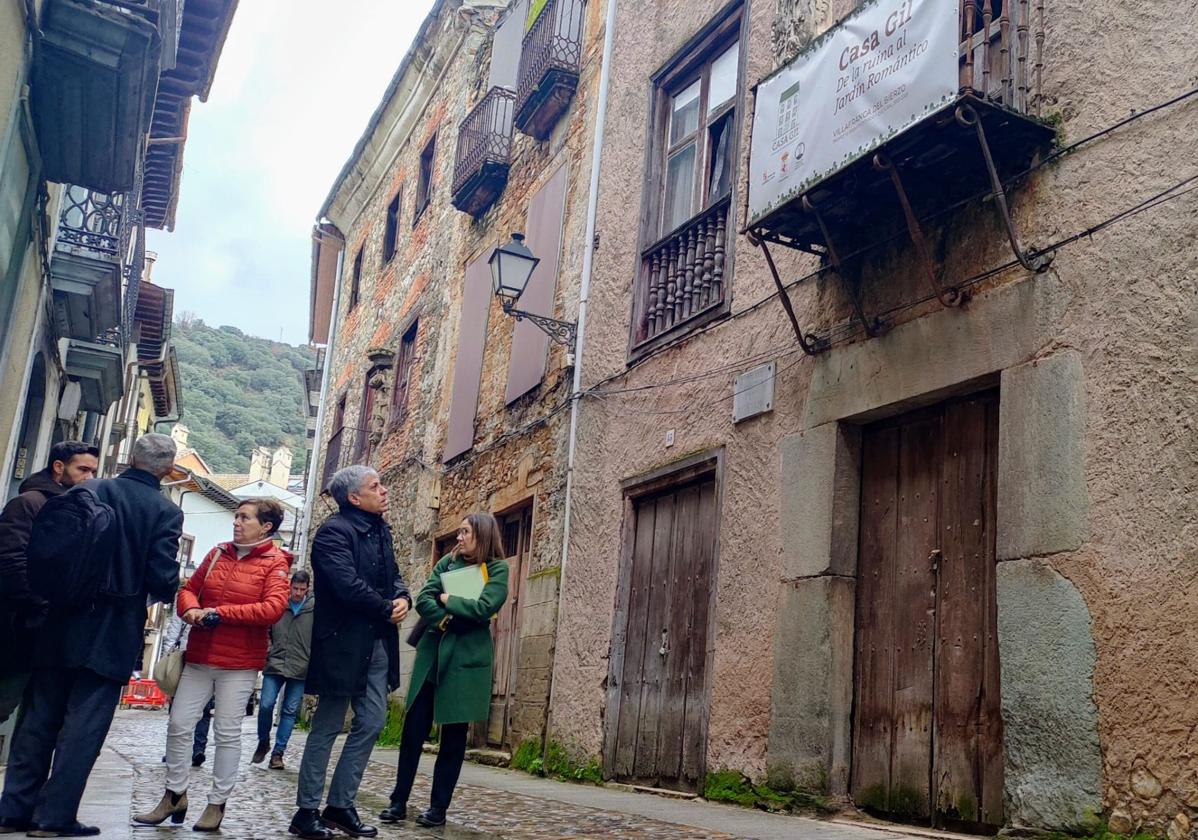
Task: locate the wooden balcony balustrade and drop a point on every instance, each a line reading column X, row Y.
column 683, row 275
column 549, row 64
column 484, row 151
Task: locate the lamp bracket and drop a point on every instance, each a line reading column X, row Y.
column 563, row 332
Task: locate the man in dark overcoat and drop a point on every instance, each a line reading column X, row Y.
column 355, row 649
column 22, row 612
column 84, row 656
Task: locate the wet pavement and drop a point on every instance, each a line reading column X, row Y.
column 489, row 803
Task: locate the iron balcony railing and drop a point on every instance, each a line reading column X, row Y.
column 549, row 64
column 95, row 221
column 682, row 275
column 484, row 148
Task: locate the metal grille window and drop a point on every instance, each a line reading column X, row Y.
column 689, row 186
column 424, row 186
column 392, row 226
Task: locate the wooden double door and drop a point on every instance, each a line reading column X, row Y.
column 927, row 724
column 660, row 661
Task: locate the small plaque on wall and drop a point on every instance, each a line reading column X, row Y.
column 753, row 393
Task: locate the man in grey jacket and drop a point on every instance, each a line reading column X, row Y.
column 285, row 671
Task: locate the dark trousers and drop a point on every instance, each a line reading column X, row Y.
column 416, row 726
column 67, row 715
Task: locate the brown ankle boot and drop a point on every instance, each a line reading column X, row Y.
column 173, row 805
column 211, row 818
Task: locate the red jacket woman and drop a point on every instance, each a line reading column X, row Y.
column 249, row 593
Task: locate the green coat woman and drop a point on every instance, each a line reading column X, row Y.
column 451, row 679
column 458, row 644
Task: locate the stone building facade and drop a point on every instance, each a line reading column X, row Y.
column 460, row 408
column 1053, row 402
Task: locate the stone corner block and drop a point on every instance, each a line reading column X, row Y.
column 810, row 721
column 1052, row 760
column 820, row 496
column 1042, row 501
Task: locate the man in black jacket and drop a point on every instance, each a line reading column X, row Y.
column 21, row 611
column 83, row 657
column 355, row 649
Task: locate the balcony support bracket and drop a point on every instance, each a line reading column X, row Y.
column 950, row 296
column 1032, row 261
column 810, row 344
column 872, row 326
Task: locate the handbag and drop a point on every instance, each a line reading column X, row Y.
column 415, row 634
column 168, row 670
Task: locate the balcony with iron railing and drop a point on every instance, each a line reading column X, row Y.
column 549, row 64
column 484, row 151
column 87, row 267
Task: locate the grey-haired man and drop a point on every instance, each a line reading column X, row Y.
column 355, row 650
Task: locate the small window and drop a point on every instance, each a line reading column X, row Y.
column 186, row 546
column 356, row 283
column 424, row 186
column 403, row 373
column 392, row 228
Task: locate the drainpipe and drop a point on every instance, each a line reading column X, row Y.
column 304, row 518
column 584, row 293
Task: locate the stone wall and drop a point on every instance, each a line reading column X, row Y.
column 1096, row 364
column 519, row 451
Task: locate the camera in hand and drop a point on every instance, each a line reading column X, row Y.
column 210, row 620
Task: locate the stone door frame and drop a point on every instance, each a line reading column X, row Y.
column 1005, row 336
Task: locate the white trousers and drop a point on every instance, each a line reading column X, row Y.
column 198, row 685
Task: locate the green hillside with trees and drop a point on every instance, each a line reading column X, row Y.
column 239, row 392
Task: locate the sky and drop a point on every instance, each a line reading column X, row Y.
column 295, row 86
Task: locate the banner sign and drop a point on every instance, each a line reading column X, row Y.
column 876, row 73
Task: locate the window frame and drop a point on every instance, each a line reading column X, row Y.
column 690, row 63
column 424, row 178
column 355, row 286
column 391, row 226
column 404, row 360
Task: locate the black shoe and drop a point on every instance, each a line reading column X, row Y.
column 13, row 825
column 306, row 824
column 75, row 829
column 347, row 820
column 197, row 759
column 431, row 818
column 394, row 813
column 260, row 753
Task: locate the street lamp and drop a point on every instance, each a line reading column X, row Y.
column 512, row 265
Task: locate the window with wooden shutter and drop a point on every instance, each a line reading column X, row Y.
column 391, row 232
column 530, row 344
column 468, row 366
column 403, row 373
column 688, row 223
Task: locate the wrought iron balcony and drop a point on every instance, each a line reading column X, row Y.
column 549, row 64
column 483, row 153
column 86, row 269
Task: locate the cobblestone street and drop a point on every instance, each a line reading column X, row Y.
column 489, row 803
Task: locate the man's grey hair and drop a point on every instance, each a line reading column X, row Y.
column 154, row 453
column 349, row 480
